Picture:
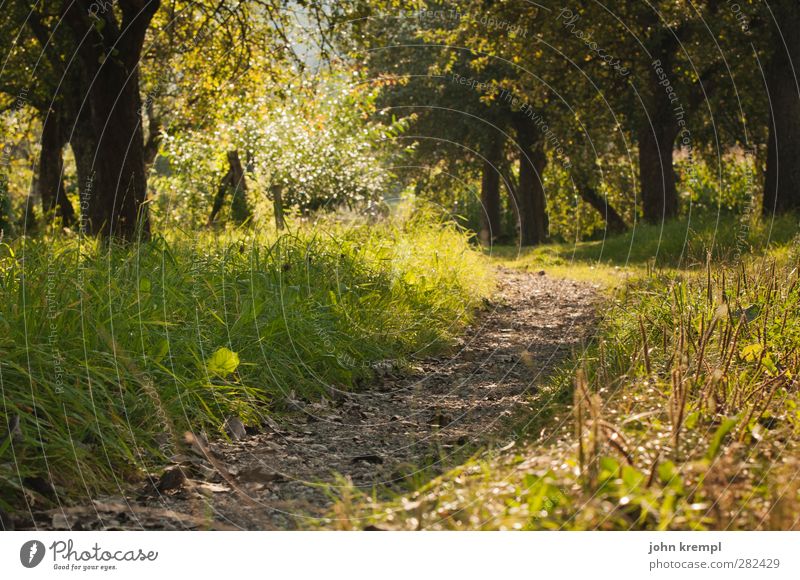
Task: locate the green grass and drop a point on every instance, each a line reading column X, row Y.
column 679, row 244
column 684, row 414
column 108, row 355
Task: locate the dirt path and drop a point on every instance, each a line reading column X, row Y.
column 379, row 436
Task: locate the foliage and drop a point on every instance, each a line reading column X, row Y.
column 319, row 145
column 17, row 148
column 728, row 184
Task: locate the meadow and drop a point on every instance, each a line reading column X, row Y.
column 110, row 353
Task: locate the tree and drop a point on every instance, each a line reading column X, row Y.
column 321, row 146
column 33, row 66
column 88, row 86
column 490, row 221
column 50, row 181
column 463, row 115
column 107, row 136
column 234, row 182
column 87, row 92
column 529, row 193
column 782, row 182
column 667, row 51
column 512, row 57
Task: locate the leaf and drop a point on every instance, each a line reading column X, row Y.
column 609, row 468
column 769, row 364
column 161, row 350
column 719, row 436
column 632, row 477
column 751, row 352
column 669, row 476
column 223, row 362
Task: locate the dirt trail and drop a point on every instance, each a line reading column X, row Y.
column 378, row 436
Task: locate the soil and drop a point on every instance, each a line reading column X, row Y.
column 409, row 425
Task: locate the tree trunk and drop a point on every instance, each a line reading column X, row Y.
column 658, row 128
column 532, row 207
column 107, row 138
column 656, row 173
column 277, row 204
column 6, row 220
column 153, row 142
column 490, row 198
column 109, row 155
column 239, row 210
column 614, row 222
column 50, row 179
column 234, row 181
column 782, row 180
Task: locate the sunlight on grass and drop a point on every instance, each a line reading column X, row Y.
column 108, row 354
column 683, row 414
column 678, row 245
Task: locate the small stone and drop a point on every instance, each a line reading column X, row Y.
column 171, row 479
column 369, row 458
column 235, row 429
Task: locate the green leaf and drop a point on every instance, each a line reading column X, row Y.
column 769, row 364
column 751, row 352
column 669, row 476
column 223, row 362
column 719, row 436
column 609, row 468
column 161, row 350
column 632, row 477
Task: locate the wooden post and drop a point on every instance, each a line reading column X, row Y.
column 277, row 202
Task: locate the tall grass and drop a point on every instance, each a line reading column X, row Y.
column 108, row 354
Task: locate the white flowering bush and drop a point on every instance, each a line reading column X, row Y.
column 319, row 143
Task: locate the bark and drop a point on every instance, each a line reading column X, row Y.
column 614, row 222
column 277, row 203
column 531, row 204
column 50, row 178
column 782, row 179
column 6, row 220
column 107, row 139
column 658, row 128
column 656, row 172
column 234, row 182
column 153, row 142
column 490, row 197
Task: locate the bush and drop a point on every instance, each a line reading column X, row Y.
column 320, row 144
